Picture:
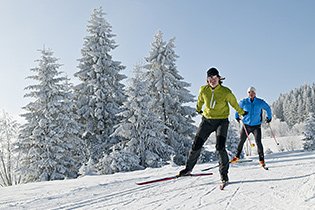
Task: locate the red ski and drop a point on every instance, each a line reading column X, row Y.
column 172, row 177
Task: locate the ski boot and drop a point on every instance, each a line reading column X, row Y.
column 184, row 172
column 235, row 160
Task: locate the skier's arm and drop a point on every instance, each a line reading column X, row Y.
column 233, row 102
column 200, row 101
column 237, row 116
column 267, row 108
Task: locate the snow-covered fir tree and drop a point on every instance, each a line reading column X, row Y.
column 309, row 133
column 8, row 157
column 88, row 168
column 48, row 142
column 169, row 91
column 232, row 140
column 99, row 95
column 145, row 144
column 294, row 107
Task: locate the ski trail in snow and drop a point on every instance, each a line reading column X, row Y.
column 156, row 198
column 229, row 201
column 182, row 192
column 103, row 198
column 204, row 195
column 289, row 185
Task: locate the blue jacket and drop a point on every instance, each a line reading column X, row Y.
column 254, row 109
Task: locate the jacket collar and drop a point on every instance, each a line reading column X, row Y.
column 249, row 100
column 216, row 88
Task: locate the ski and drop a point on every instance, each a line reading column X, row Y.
column 171, row 178
column 239, row 161
column 265, row 167
column 207, row 169
column 242, row 161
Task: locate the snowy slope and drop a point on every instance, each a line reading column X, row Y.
column 289, row 184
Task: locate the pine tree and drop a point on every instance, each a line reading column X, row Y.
column 301, row 109
column 294, row 106
column 143, row 131
column 309, row 133
column 100, row 95
column 277, row 107
column 170, row 93
column 88, row 168
column 8, row 158
column 48, row 142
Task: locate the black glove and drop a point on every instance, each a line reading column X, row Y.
column 200, row 112
column 245, row 113
column 238, row 119
column 268, row 120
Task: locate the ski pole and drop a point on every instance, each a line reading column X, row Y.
column 251, row 144
column 273, row 135
column 206, row 169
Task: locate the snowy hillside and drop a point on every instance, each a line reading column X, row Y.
column 289, row 184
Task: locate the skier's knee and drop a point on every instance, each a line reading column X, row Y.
column 197, row 145
column 220, row 145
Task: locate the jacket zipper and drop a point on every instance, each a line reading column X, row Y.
column 212, row 102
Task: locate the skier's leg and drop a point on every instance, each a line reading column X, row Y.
column 202, row 135
column 223, row 158
column 260, row 148
column 194, row 154
column 243, row 138
column 221, row 134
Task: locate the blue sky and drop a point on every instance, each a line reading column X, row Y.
column 267, row 44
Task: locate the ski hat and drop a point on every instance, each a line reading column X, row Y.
column 251, row 89
column 213, row 72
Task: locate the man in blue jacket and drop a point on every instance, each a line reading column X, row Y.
column 252, row 122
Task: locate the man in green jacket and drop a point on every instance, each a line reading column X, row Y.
column 216, row 99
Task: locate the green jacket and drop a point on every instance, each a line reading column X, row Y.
column 217, row 102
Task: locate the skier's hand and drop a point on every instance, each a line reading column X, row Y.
column 268, row 120
column 238, row 119
column 245, row 113
column 200, row 112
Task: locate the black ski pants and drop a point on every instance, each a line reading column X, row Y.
column 206, row 127
column 256, row 131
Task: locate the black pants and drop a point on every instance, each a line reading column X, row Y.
column 256, row 130
column 206, row 127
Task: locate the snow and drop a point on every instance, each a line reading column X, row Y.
column 288, row 184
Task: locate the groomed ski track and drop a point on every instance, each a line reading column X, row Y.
column 288, row 184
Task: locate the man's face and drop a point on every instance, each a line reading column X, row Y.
column 251, row 94
column 213, row 80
